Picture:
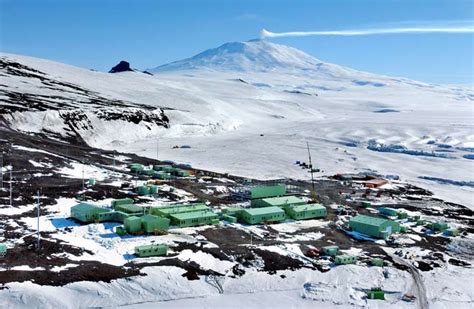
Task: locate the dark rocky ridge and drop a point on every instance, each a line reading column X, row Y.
column 123, row 66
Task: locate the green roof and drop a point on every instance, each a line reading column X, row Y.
column 3, row 248
column 174, row 209
column 85, row 207
column 263, row 210
column 368, row 220
column 308, row 207
column 129, row 208
column 151, row 218
column 283, row 200
column 193, row 215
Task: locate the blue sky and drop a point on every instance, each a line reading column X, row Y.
column 97, row 34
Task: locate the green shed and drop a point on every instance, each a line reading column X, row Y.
column 195, row 218
column 282, row 201
column 374, row 226
column 307, row 211
column 133, row 224
column 181, row 173
column 263, row 214
column 152, row 224
column 345, row 259
column 120, row 230
column 151, row 250
column 330, row 250
column 376, row 262
column 130, row 208
column 87, row 213
column 402, row 215
column 153, row 189
column 267, row 191
column 376, row 293
column 122, row 201
column 366, row 204
column 3, row 250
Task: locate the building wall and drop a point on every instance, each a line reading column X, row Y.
column 270, row 217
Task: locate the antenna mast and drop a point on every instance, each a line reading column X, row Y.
column 311, row 169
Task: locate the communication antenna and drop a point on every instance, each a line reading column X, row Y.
column 311, row 171
column 157, row 149
column 38, row 218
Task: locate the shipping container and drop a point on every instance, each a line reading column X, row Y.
column 151, row 250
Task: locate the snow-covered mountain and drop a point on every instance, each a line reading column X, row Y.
column 254, row 55
column 226, row 98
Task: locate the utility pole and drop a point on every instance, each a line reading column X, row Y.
column 157, row 148
column 38, row 218
column 11, row 186
column 311, row 171
column 1, row 171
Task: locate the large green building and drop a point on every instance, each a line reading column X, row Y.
column 87, row 213
column 194, row 218
column 153, row 224
column 306, row 211
column 374, row 226
column 175, row 209
column 263, row 214
column 121, row 201
column 267, row 191
column 282, row 201
column 133, row 224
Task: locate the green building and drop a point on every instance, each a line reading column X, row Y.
column 153, row 224
column 133, row 224
column 230, row 219
column 163, row 168
column 282, row 201
column 233, row 211
column 151, row 250
column 129, row 209
column 267, row 191
column 167, row 211
column 143, row 190
column 439, row 226
column 306, row 211
column 376, row 262
column 162, row 175
column 386, row 211
column 136, row 167
column 87, row 213
column 122, row 201
column 3, row 250
column 330, row 250
column 345, row 259
column 263, row 214
column 376, row 293
column 374, row 226
column 194, row 218
column 402, row 215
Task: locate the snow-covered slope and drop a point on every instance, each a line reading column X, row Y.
column 248, row 108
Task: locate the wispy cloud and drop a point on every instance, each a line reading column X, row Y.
column 459, row 28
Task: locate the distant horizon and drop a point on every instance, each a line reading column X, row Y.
column 150, row 33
